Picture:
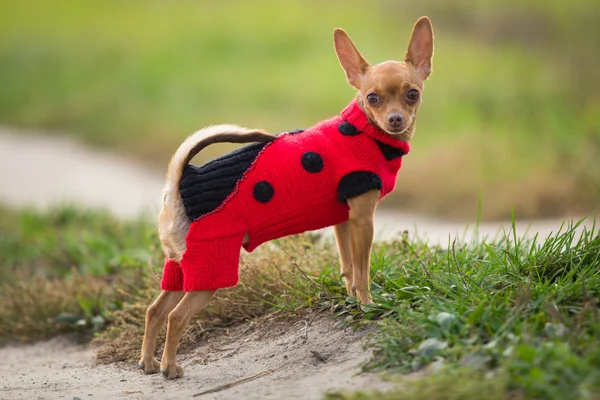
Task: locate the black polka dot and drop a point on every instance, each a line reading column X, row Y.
column 263, row 191
column 312, row 162
column 347, row 129
column 296, row 131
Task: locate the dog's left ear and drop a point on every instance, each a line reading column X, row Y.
column 420, row 48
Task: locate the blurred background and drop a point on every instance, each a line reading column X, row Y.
column 95, row 96
column 510, row 117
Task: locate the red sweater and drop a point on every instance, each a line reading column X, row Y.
column 298, row 182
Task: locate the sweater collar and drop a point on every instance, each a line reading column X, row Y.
column 355, row 115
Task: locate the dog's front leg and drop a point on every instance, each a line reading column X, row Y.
column 360, row 220
column 191, row 304
column 342, row 238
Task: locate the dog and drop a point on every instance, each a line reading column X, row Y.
column 333, row 174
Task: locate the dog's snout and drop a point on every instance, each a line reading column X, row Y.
column 395, row 120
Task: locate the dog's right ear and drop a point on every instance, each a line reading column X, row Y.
column 351, row 60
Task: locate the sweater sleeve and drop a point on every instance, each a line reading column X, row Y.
column 357, row 183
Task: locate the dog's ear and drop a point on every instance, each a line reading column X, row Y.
column 351, row 60
column 420, row 47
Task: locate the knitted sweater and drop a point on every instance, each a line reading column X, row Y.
column 298, row 182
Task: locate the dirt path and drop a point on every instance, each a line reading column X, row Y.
column 298, row 360
column 41, row 171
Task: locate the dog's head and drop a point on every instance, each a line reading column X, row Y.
column 390, row 92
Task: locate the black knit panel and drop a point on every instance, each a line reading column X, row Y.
column 204, row 188
column 357, row 183
column 389, row 152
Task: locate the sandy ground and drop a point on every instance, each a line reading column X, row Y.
column 286, row 360
column 40, row 171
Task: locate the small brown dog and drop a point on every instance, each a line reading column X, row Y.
column 223, row 195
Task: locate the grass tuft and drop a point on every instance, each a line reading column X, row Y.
column 526, row 310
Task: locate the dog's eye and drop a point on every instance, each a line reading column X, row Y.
column 412, row 95
column 372, row 98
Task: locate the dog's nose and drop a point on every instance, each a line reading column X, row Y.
column 395, row 120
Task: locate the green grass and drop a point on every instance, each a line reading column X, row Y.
column 66, row 270
column 509, row 317
column 519, row 317
column 458, row 384
column 511, row 107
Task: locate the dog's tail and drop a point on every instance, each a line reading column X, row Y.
column 173, row 222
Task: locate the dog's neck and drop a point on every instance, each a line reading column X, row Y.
column 404, row 136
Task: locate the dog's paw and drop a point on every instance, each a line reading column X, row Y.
column 366, row 307
column 364, row 297
column 151, row 367
column 172, row 371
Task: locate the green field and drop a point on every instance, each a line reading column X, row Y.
column 511, row 318
column 509, row 115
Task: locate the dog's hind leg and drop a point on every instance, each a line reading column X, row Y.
column 191, row 304
column 342, row 238
column 155, row 317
